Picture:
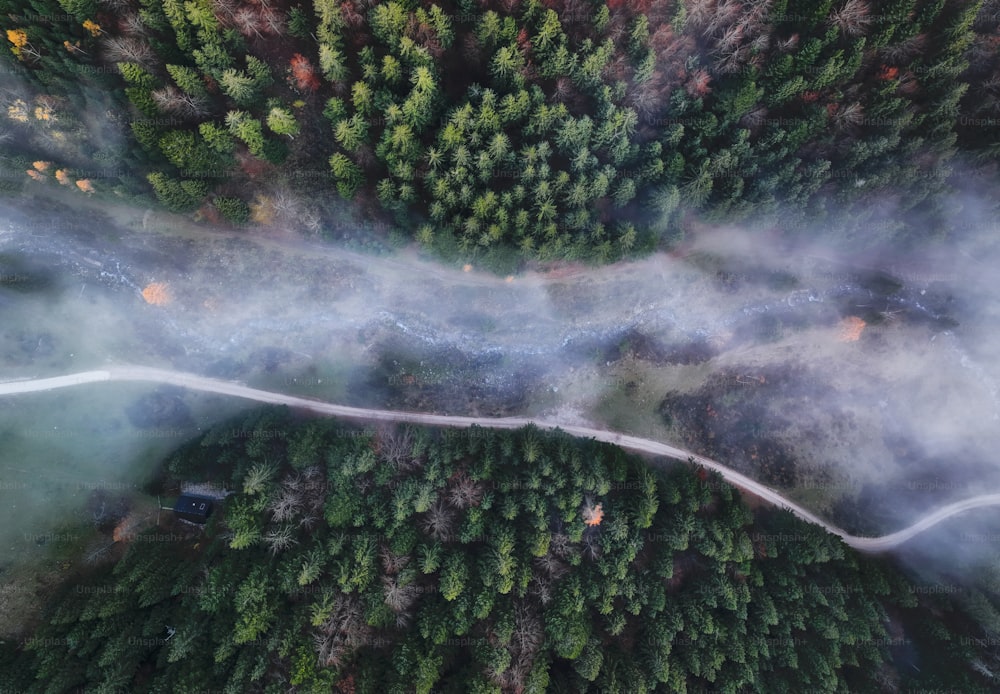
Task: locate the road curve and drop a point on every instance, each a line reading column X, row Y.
column 212, row 385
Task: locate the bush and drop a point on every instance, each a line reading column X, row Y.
column 234, row 210
column 177, row 196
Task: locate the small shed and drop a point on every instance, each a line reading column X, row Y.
column 193, row 508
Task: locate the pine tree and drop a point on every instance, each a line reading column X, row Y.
column 282, row 122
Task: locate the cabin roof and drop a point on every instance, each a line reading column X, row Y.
column 192, row 505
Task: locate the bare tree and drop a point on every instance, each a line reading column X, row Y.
column 97, row 551
column 292, row 482
column 730, row 62
column 343, row 631
column 313, row 472
column 464, row 491
column 562, row 90
column 525, row 642
column 246, row 20
column 730, row 39
column 560, row 545
column 851, row 18
column 128, row 49
column 313, row 486
column 286, row 504
column 397, row 596
column 187, row 105
column 280, row 539
column 787, row 45
column 553, row 567
column 849, row 115
column 439, row 521
column 757, row 9
column 118, row 6
column 760, row 43
column 225, row 9
column 646, row 98
column 591, row 544
column 393, row 563
column 131, row 23
column 904, row 52
column 722, row 19
column 700, row 14
column 542, row 589
column 310, row 219
column 394, row 444
column 353, row 18
column 273, row 22
column 908, row 83
column 528, row 632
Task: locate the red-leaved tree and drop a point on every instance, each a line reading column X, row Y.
column 303, row 73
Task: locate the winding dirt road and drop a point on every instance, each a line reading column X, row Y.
column 211, row 385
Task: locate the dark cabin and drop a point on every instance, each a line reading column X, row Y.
column 193, row 508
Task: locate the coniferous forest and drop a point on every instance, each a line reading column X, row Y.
column 405, row 559
column 511, row 129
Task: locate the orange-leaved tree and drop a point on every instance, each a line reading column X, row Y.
column 156, row 293
column 303, row 73
column 851, row 329
column 593, row 515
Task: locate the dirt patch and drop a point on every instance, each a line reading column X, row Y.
column 731, row 417
column 444, row 379
column 644, row 347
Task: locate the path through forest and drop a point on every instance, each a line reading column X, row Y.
column 211, row 385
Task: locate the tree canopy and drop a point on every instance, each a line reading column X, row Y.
column 400, row 559
column 557, row 129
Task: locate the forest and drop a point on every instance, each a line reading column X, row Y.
column 398, row 559
column 510, row 130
